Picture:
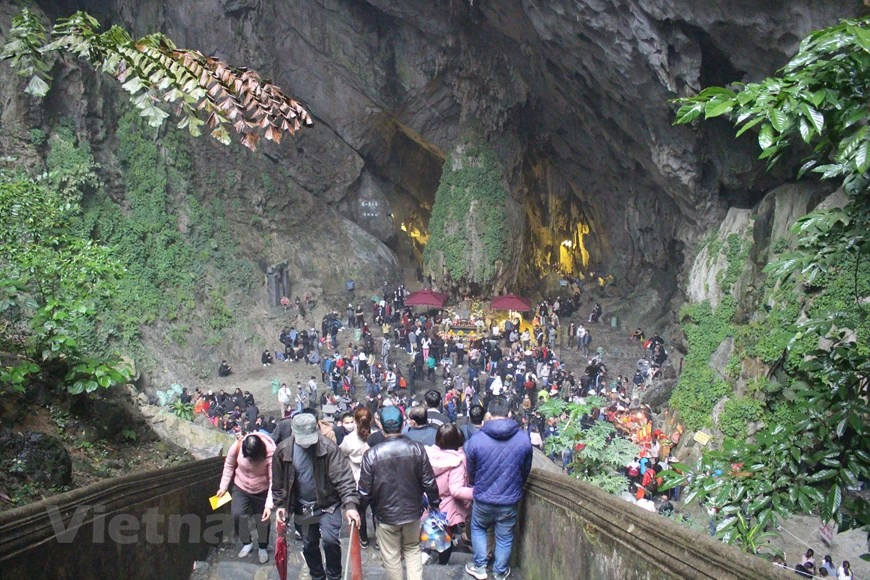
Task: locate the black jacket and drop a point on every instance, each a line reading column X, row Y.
column 333, row 479
column 393, row 478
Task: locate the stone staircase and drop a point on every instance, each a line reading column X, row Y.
column 620, row 352
column 223, row 564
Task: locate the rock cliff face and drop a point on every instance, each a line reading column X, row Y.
column 572, row 95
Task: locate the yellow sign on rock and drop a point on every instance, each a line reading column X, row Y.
column 701, row 437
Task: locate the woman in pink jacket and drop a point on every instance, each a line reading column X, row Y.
column 448, row 463
column 249, row 466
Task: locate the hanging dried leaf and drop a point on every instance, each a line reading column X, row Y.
column 154, row 70
column 250, row 141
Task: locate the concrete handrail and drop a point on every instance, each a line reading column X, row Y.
column 570, row 529
column 30, row 546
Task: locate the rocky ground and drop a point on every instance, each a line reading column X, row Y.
column 49, row 451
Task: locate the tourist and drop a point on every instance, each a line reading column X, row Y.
column 301, row 397
column 285, row 396
column 266, row 358
column 433, row 405
column 224, row 369
column 248, row 466
column 448, row 464
column 312, row 477
column 344, row 427
column 394, row 476
column 418, row 429
column 499, row 460
column 844, row 572
column 595, row 315
column 354, row 445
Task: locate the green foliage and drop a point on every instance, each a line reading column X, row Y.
column 736, row 253
column 182, row 410
column 738, row 412
column 56, row 280
column 700, row 387
column 467, row 230
column 91, row 374
column 168, row 272
column 735, row 365
column 37, row 136
column 23, row 47
column 17, row 377
column 780, row 246
column 71, row 166
column 750, row 536
column 818, row 100
column 714, row 245
column 767, row 337
column 61, row 418
column 598, row 455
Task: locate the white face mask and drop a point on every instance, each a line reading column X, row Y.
column 349, row 427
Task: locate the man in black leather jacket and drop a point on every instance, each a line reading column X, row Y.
column 393, row 478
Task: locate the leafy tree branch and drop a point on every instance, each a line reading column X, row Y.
column 818, row 102
column 154, row 71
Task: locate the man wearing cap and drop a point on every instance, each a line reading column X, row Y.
column 312, row 479
column 393, row 478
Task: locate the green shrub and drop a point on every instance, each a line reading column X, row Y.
column 700, row 387
column 37, row 136
column 738, row 412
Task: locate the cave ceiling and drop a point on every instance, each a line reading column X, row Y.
column 572, row 95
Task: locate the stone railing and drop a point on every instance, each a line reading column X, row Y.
column 156, row 524
column 569, row 529
column 145, row 525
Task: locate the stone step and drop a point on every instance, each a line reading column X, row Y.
column 227, row 567
column 224, row 564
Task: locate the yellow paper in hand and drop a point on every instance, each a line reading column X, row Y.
column 217, row 502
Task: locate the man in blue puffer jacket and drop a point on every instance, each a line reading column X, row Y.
column 499, row 458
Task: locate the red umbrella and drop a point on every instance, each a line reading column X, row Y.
column 511, row 302
column 426, row 298
column 281, row 549
column 353, row 566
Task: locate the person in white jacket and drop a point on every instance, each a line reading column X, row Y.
column 285, row 396
column 354, row 445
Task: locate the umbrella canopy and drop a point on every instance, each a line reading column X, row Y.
column 511, row 302
column 426, row 298
column 281, row 549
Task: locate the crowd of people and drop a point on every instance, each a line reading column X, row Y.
column 465, row 444
column 384, row 461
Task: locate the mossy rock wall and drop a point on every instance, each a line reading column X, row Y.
column 737, row 324
column 471, row 231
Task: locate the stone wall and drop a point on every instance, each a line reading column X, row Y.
column 198, row 436
column 569, row 529
column 35, row 543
